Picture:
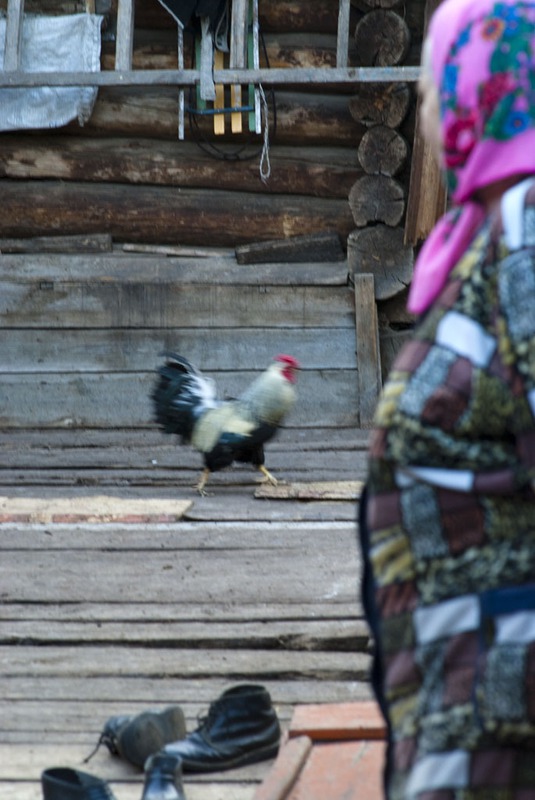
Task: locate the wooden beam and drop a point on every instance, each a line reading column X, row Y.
column 342, row 46
column 368, row 360
column 125, row 35
column 428, row 197
column 207, row 89
column 189, row 77
column 238, row 56
column 282, row 776
column 15, row 14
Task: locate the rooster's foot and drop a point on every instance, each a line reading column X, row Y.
column 202, row 483
column 268, row 477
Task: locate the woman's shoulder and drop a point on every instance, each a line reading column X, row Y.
column 513, row 221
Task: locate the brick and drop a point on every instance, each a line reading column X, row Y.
column 338, row 721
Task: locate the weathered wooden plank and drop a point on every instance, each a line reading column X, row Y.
column 120, row 399
column 237, row 481
column 309, row 636
column 344, row 9
column 326, row 172
column 290, row 761
column 428, row 195
column 181, row 250
column 295, row 439
column 161, row 214
column 179, row 480
column 193, row 576
column 101, row 304
column 81, row 720
column 97, row 243
column 215, row 349
column 317, row 247
column 312, row 490
column 28, row 790
column 177, row 456
column 179, row 663
column 367, row 334
column 283, row 538
column 103, row 764
column 226, row 502
column 427, row 199
column 391, row 343
column 13, row 42
column 125, row 35
column 190, row 77
column 132, row 612
column 127, row 268
column 178, row 469
column 132, row 694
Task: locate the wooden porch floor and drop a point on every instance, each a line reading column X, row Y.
column 100, row 619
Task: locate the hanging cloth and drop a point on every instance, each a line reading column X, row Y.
column 184, row 10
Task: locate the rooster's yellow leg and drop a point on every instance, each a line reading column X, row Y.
column 202, row 481
column 268, row 476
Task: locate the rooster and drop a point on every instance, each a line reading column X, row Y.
column 185, row 403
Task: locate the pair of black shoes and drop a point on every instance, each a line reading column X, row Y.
column 163, row 781
column 241, row 727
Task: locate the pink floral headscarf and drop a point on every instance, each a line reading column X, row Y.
column 483, row 62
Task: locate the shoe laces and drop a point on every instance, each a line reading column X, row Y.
column 107, row 739
column 218, row 708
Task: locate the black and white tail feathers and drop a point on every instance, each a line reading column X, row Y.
column 182, row 393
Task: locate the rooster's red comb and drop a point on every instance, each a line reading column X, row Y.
column 290, row 360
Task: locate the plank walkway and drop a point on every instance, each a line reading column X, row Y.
column 101, row 618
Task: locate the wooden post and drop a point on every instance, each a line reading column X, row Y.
column 427, row 194
column 219, row 102
column 368, row 357
column 125, row 35
column 181, row 99
column 207, row 88
column 238, row 55
column 342, row 41
column 15, row 14
column 255, row 63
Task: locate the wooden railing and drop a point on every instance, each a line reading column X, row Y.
column 209, row 76
column 124, row 75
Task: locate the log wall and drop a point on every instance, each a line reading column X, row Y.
column 100, row 177
column 81, row 334
column 378, row 199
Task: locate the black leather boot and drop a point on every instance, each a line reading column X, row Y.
column 163, row 778
column 241, row 728
column 135, row 738
column 64, row 783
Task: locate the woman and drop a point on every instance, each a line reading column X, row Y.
column 448, row 524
